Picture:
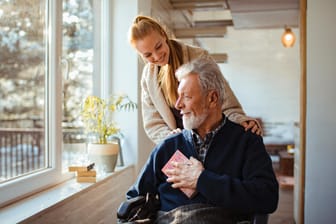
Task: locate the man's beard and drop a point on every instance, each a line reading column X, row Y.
column 193, row 122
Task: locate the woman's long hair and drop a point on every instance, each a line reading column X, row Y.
column 142, row 27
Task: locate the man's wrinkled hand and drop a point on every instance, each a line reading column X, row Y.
column 185, row 175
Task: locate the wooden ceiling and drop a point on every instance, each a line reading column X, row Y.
column 199, row 4
column 244, row 14
column 195, row 19
column 264, row 13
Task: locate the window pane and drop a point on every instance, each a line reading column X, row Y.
column 22, row 87
column 77, row 75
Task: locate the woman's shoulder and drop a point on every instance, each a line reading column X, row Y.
column 191, row 52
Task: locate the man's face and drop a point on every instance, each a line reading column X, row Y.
column 192, row 103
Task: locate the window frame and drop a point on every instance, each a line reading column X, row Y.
column 21, row 187
column 105, row 13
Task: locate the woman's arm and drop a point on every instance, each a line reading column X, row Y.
column 155, row 126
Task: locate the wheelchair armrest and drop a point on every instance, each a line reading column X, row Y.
column 260, row 219
column 127, row 206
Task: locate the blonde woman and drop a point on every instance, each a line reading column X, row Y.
column 159, row 84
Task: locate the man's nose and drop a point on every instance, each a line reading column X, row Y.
column 178, row 104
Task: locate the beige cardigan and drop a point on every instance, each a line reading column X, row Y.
column 157, row 116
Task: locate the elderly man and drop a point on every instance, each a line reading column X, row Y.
column 227, row 169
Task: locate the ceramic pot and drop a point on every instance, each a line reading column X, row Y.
column 104, row 156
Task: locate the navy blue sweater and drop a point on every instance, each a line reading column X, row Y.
column 238, row 173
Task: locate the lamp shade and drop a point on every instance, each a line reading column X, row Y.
column 288, row 38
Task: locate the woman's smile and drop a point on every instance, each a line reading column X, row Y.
column 154, row 48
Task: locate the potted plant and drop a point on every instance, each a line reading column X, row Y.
column 99, row 125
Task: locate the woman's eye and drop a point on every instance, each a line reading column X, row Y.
column 158, row 47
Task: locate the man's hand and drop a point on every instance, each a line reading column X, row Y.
column 253, row 126
column 185, row 175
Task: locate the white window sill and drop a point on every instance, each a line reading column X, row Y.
column 36, row 203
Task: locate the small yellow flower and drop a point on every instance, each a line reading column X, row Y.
column 96, row 115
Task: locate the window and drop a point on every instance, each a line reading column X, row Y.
column 53, row 54
column 23, row 82
column 77, row 70
column 39, row 99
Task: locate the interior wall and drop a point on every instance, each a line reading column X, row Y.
column 320, row 183
column 124, row 77
column 263, row 74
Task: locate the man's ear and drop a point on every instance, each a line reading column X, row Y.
column 213, row 98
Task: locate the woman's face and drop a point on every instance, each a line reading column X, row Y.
column 154, row 48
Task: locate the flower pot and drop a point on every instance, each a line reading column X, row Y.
column 104, row 155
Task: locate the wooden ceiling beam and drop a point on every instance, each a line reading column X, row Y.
column 216, row 23
column 199, row 4
column 220, row 58
column 196, row 32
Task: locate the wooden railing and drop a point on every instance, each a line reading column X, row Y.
column 21, row 151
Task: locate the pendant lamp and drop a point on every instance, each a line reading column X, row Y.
column 288, row 38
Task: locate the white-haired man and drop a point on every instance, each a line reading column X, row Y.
column 228, row 169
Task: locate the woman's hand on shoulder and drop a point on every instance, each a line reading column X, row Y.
column 177, row 130
column 253, row 125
